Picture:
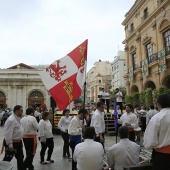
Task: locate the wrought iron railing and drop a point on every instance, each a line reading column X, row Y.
column 152, row 58
column 167, row 50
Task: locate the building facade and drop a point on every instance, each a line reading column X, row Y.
column 147, row 45
column 99, row 76
column 119, row 70
column 22, row 85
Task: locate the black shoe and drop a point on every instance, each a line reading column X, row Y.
column 44, row 163
column 51, row 161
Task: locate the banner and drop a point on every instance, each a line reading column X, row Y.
column 162, row 61
column 145, row 68
column 65, row 77
column 131, row 74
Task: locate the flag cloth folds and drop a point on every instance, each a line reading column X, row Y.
column 65, row 77
column 115, row 115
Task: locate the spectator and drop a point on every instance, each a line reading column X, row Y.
column 157, row 134
column 125, row 153
column 150, row 113
column 89, row 154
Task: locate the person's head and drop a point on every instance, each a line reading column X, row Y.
column 117, row 89
column 18, row 110
column 89, row 133
column 118, row 107
column 82, row 113
column 152, row 106
column 102, row 89
column 37, row 109
column 128, row 108
column 137, row 107
column 29, row 111
column 143, row 107
column 66, row 112
column 100, row 106
column 46, row 115
column 163, row 101
column 123, row 132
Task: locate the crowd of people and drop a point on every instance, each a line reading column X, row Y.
column 84, row 134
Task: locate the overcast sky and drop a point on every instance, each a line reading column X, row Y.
column 41, row 31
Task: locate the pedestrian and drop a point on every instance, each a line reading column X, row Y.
column 157, row 134
column 98, row 123
column 5, row 116
column 30, row 126
column 63, row 125
column 102, row 95
column 89, row 154
column 130, row 120
column 119, row 98
column 46, row 138
column 13, row 133
column 107, row 97
column 75, row 131
column 37, row 114
column 125, row 153
column 150, row 113
column 143, row 114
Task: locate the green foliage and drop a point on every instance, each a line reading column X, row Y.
column 148, row 97
column 142, row 98
column 155, row 94
column 78, row 100
column 135, row 96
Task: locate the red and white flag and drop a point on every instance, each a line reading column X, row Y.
column 65, row 77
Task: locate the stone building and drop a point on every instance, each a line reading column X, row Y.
column 99, row 76
column 147, row 45
column 21, row 84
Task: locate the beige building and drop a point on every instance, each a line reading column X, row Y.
column 147, row 45
column 21, row 84
column 99, row 76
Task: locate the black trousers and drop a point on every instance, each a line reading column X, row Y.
column 102, row 100
column 29, row 146
column 132, row 136
column 50, row 145
column 65, row 137
column 160, row 161
column 143, row 120
column 72, row 146
column 97, row 139
column 107, row 104
column 18, row 153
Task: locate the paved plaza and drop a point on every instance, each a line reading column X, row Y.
column 60, row 162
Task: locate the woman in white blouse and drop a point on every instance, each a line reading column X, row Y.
column 46, row 138
column 63, row 125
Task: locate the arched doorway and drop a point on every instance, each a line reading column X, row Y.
column 2, row 100
column 149, row 84
column 134, row 89
column 35, row 99
column 166, row 81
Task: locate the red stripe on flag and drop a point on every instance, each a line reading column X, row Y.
column 65, row 92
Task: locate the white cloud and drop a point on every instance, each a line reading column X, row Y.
column 41, row 31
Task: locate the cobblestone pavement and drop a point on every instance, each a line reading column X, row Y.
column 60, row 163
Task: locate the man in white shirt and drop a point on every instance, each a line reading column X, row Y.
column 107, row 98
column 37, row 114
column 98, row 122
column 89, row 154
column 13, row 133
column 102, row 95
column 125, row 153
column 75, row 131
column 150, row 113
column 30, row 126
column 157, row 134
column 119, row 98
column 130, row 120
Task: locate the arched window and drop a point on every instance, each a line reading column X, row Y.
column 2, row 95
column 35, row 94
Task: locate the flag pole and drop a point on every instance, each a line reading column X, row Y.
column 84, row 100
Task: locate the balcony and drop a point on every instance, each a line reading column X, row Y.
column 152, row 58
column 167, row 50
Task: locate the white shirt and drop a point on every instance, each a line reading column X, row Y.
column 13, row 129
column 119, row 96
column 122, row 154
column 107, row 95
column 157, row 133
column 75, row 126
column 37, row 114
column 98, row 122
column 29, row 124
column 102, row 93
column 129, row 118
column 143, row 113
column 64, row 123
column 89, row 155
column 45, row 129
column 150, row 114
